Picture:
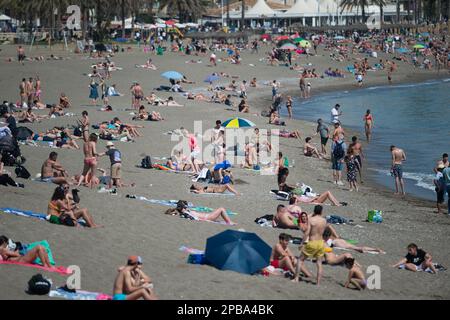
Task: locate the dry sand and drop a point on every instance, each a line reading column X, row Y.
column 137, row 228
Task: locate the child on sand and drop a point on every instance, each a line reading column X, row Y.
column 355, row 275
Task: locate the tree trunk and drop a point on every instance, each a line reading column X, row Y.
column 409, row 9
column 228, row 13
column 381, row 14
column 243, row 15
column 122, row 13
column 85, row 21
column 363, row 12
column 398, row 11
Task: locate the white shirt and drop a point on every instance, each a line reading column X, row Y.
column 334, row 115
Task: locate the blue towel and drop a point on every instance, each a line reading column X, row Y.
column 23, row 213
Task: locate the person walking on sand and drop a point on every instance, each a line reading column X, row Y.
column 90, row 159
column 289, row 106
column 93, row 91
column 398, row 156
column 324, row 135
column 132, row 283
column 368, row 125
column 313, row 245
column 338, row 151
column 336, row 113
column 115, row 158
column 356, row 149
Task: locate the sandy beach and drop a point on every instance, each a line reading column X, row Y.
column 134, row 227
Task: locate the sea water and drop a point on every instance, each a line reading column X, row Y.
column 414, row 117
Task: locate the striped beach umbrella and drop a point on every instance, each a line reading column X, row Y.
column 288, row 46
column 297, row 40
column 304, row 44
column 419, row 46
column 236, row 123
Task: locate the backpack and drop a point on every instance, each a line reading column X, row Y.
column 21, row 172
column 338, row 152
column 77, row 132
column 146, row 163
column 39, row 285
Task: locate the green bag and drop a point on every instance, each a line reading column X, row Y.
column 375, row 216
column 286, row 162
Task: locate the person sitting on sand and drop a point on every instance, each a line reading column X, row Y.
column 355, row 275
column 56, row 111
column 253, row 83
column 14, row 256
column 60, row 210
column 29, row 116
column 178, row 161
column 244, row 107
column 309, row 150
column 284, row 220
column 185, row 212
column 53, row 171
column 416, row 260
column 199, row 189
column 282, row 257
column 332, row 240
column 275, row 119
column 64, row 101
column 132, row 283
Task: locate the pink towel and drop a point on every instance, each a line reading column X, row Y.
column 60, row 270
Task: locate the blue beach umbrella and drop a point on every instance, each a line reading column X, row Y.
column 212, row 78
column 172, row 75
column 238, row 251
column 339, row 38
column 236, row 123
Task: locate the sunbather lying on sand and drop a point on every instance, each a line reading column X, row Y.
column 184, row 212
column 333, row 241
column 198, row 188
column 29, row 257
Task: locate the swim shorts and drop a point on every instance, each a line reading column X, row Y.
column 324, row 141
column 397, row 171
column 440, row 196
column 120, row 296
column 314, row 249
column 337, row 165
column 116, row 171
column 359, row 166
column 47, row 179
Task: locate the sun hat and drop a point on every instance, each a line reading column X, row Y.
column 132, row 260
column 109, row 144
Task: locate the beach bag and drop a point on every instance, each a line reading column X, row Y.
column 338, row 152
column 38, row 285
column 23, row 173
column 263, row 219
column 375, row 216
column 146, row 163
column 77, row 132
column 196, row 258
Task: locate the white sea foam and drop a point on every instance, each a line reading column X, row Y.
column 422, row 180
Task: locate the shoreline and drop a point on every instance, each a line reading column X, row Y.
column 369, row 180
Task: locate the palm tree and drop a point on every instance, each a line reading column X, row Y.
column 183, row 8
column 398, row 11
column 242, row 14
column 381, row 4
column 350, row 4
column 228, row 13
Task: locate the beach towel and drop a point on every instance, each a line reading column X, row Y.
column 60, row 269
column 27, row 247
column 31, row 214
column 173, row 203
column 438, row 267
column 78, row 295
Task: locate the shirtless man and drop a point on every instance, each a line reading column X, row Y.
column 85, row 122
column 338, row 130
column 132, row 283
column 356, row 147
column 313, row 245
column 285, row 220
column 29, row 90
column 23, row 91
column 38, row 89
column 21, row 54
column 90, row 159
column 53, row 171
column 282, row 257
column 398, row 156
column 137, row 95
